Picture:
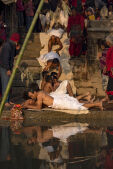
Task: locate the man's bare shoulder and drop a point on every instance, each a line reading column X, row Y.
column 57, row 39
column 41, row 94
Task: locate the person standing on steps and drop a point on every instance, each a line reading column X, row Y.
column 7, row 54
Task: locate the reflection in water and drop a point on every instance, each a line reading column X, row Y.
column 69, row 146
column 5, row 157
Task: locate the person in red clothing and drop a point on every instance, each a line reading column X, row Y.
column 29, row 12
column 109, row 66
column 75, row 3
column 74, row 32
column 20, row 12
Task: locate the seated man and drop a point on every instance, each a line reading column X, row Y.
column 63, row 87
column 48, row 88
column 62, row 101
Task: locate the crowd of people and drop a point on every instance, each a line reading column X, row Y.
column 57, row 94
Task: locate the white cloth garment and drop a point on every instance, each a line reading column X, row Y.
column 66, row 102
column 56, row 32
column 49, row 56
column 62, row 89
column 63, row 18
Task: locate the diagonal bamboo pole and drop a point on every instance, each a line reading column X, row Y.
column 20, row 56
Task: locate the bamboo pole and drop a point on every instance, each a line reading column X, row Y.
column 20, row 56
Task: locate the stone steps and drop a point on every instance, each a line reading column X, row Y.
column 33, row 67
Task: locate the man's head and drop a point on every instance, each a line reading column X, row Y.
column 54, row 77
column 103, row 44
column 55, row 62
column 48, row 79
column 73, row 10
column 53, row 37
column 90, row 11
column 44, row 74
column 32, row 91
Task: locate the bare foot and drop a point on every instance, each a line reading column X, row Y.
column 100, row 105
column 88, row 98
column 7, row 104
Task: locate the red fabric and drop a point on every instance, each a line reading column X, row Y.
column 83, row 1
column 19, row 5
column 74, row 2
column 109, row 92
column 75, row 20
column 15, row 37
column 75, row 48
column 110, row 132
column 109, row 161
column 109, row 60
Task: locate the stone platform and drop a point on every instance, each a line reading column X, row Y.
column 48, row 117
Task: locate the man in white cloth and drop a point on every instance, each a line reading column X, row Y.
column 64, row 87
column 50, row 62
column 55, row 101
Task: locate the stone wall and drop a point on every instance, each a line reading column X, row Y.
column 97, row 30
column 87, row 75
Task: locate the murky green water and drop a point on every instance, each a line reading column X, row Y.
column 69, row 146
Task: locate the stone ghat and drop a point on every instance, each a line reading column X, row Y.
column 48, row 117
column 83, row 73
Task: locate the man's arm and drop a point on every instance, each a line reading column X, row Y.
column 37, row 105
column 49, row 46
column 49, row 63
column 59, row 70
column 60, row 45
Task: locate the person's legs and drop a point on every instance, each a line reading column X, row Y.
column 90, row 105
column 69, row 89
column 27, row 22
column 78, row 49
column 21, row 18
column 71, row 47
column 30, row 20
column 84, row 96
column 4, row 81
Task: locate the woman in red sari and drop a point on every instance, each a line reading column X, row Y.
column 74, row 31
column 109, row 66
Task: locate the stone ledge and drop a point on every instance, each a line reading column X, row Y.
column 49, row 117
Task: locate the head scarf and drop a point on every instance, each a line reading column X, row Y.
column 15, row 37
